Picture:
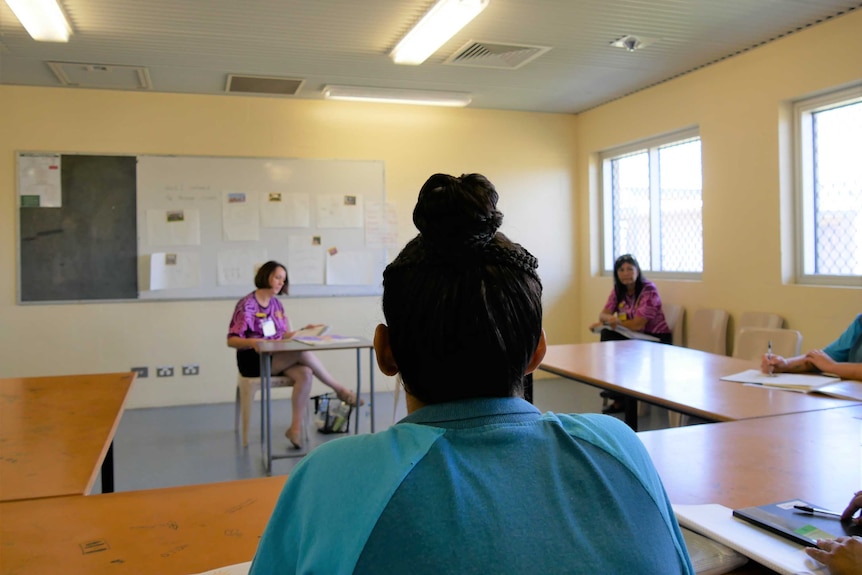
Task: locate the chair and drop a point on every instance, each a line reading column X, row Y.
column 708, row 331
column 246, row 387
column 752, row 342
column 674, row 315
column 760, row 319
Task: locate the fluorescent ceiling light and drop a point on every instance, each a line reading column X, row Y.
column 442, row 22
column 43, row 19
column 396, row 96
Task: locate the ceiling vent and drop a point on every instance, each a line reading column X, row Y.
column 272, row 85
column 495, row 55
column 108, row 76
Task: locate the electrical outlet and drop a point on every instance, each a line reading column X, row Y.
column 164, row 372
column 191, row 369
column 141, row 371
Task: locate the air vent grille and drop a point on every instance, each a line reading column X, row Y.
column 272, row 85
column 495, row 55
column 110, row 76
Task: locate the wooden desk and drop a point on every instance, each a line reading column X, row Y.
column 269, row 347
column 815, row 456
column 173, row 531
column 55, row 432
column 676, row 378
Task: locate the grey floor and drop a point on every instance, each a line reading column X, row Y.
column 171, row 446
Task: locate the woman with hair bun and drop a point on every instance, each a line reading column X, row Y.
column 475, row 479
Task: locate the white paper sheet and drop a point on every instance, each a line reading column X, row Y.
column 238, row 569
column 305, row 260
column 339, row 211
column 178, row 227
column 381, row 225
column 352, row 268
column 237, row 267
column 240, row 217
column 39, row 180
column 175, row 270
column 283, row 210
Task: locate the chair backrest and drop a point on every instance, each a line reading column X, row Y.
column 674, row 315
column 752, row 342
column 759, row 319
column 708, row 331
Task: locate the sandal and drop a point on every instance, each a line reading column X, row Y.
column 348, row 397
column 296, row 440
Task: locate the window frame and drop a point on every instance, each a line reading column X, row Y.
column 650, row 146
column 803, row 184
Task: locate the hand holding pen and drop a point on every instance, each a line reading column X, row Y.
column 769, row 365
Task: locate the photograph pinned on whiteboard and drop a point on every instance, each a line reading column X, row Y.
column 315, row 240
column 332, row 251
column 176, row 216
column 349, row 200
column 170, row 259
column 236, row 198
column 275, row 196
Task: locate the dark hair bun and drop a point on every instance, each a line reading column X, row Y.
column 457, row 212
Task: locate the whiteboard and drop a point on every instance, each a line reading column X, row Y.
column 205, row 223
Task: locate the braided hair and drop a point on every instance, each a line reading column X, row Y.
column 462, row 301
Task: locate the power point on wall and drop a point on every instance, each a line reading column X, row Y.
column 141, row 371
column 191, row 369
column 164, row 372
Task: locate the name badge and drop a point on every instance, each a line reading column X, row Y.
column 268, row 327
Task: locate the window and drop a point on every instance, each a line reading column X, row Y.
column 652, row 205
column 829, row 188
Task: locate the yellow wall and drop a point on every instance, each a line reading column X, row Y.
column 542, row 165
column 740, row 107
column 528, row 157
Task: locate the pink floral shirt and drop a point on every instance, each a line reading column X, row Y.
column 648, row 305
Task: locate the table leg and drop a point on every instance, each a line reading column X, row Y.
column 108, row 470
column 265, row 409
column 630, row 405
column 358, row 388
column 371, row 385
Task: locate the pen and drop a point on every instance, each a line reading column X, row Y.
column 808, row 509
column 769, row 357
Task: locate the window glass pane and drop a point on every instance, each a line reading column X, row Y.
column 837, row 188
column 681, row 205
column 631, row 207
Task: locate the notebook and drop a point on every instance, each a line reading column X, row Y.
column 784, row 519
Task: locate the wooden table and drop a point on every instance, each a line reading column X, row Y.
column 56, row 432
column 269, row 347
column 816, row 456
column 172, row 531
column 676, row 378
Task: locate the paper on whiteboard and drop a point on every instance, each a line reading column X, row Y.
column 237, row 267
column 339, row 211
column 283, row 210
column 180, row 227
column 381, row 225
column 353, row 268
column 174, row 270
column 240, row 217
column 305, row 264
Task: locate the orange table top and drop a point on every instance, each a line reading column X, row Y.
column 679, row 379
column 172, row 531
column 55, row 432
